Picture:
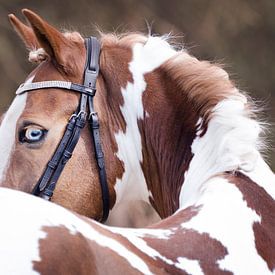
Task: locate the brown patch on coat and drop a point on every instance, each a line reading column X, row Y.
column 202, row 85
column 62, row 252
column 188, row 243
column 264, row 205
column 192, row 245
column 167, row 134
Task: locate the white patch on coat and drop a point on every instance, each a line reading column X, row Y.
column 225, row 216
column 230, row 143
column 22, row 220
column 8, row 130
column 135, row 237
column 190, row 266
column 263, row 176
column 162, row 234
column 132, row 186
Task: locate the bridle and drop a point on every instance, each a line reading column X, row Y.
column 47, row 182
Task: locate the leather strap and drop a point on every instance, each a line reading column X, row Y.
column 52, row 164
column 27, row 87
column 90, row 76
column 99, row 156
column 80, row 122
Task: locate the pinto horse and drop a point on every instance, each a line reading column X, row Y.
column 176, row 134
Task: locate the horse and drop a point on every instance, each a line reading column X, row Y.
column 176, row 134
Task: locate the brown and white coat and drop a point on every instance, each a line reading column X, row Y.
column 177, row 136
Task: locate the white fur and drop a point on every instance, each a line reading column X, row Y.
column 135, row 237
column 159, row 233
column 225, row 216
column 190, row 266
column 22, row 220
column 8, row 133
column 37, row 55
column 230, row 144
column 132, row 185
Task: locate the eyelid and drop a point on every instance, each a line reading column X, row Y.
column 27, row 123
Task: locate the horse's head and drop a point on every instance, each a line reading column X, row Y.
column 166, row 119
column 34, row 124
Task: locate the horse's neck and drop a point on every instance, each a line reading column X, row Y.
column 124, row 76
column 168, row 131
column 167, row 149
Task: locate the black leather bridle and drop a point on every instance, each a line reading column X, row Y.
column 47, row 182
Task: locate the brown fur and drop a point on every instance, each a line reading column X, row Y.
column 25, row 32
column 201, row 83
column 79, row 255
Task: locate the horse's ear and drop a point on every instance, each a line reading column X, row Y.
column 25, row 32
column 56, row 45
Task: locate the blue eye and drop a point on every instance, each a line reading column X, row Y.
column 32, row 135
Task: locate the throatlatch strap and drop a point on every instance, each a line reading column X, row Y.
column 91, row 73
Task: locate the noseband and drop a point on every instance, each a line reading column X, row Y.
column 47, row 182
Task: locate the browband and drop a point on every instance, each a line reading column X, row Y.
column 27, row 87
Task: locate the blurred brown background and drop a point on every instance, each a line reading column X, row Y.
column 240, row 34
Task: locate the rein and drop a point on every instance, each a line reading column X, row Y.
column 46, row 184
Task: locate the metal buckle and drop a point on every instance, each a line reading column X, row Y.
column 90, row 115
column 90, row 91
column 78, row 115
